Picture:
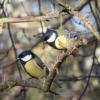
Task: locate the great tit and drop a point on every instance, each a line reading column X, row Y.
column 58, row 41
column 32, row 64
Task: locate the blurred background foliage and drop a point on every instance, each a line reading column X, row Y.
column 22, row 33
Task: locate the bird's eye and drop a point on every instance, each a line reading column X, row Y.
column 46, row 38
column 26, row 58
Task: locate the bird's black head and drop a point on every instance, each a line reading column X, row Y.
column 26, row 56
column 50, row 36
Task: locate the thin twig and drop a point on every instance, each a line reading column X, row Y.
column 31, row 19
column 76, row 78
column 65, row 20
column 83, row 19
column 90, row 72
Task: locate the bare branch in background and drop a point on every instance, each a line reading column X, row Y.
column 85, row 21
column 90, row 72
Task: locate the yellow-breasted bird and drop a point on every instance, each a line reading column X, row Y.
column 32, row 64
column 59, row 41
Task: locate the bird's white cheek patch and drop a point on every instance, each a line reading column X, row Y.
column 52, row 38
column 26, row 58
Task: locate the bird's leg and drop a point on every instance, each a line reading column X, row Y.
column 45, row 72
column 59, row 60
column 44, row 76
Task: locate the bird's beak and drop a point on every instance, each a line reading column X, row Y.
column 38, row 35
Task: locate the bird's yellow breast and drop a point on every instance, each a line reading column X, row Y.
column 33, row 69
column 61, row 42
